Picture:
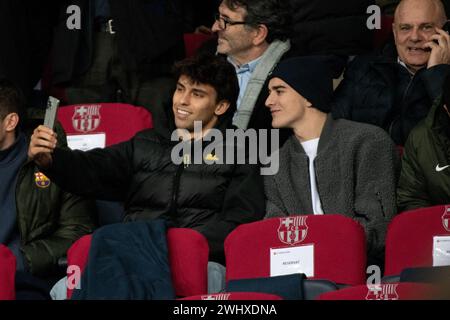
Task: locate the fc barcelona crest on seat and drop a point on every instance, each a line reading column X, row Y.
column 382, row 292
column 292, row 230
column 86, row 118
column 446, row 218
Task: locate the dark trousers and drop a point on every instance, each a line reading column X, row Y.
column 29, row 287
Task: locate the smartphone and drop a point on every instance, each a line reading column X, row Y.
column 446, row 28
column 50, row 112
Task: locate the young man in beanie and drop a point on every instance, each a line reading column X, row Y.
column 327, row 165
column 425, row 176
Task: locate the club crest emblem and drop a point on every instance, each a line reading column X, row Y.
column 86, row 118
column 292, row 230
column 219, row 296
column 446, row 218
column 41, row 180
column 382, row 292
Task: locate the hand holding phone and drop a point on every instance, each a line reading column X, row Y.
column 439, row 45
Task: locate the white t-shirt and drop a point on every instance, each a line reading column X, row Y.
column 310, row 148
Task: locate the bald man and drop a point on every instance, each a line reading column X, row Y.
column 395, row 90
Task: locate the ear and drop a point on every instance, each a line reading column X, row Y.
column 261, row 33
column 221, row 107
column 11, row 121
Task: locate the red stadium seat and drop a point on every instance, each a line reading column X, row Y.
column 339, row 247
column 7, row 274
column 193, row 41
column 111, row 123
column 119, row 122
column 188, row 257
column 382, row 35
column 391, row 291
column 409, row 239
column 77, row 255
column 235, row 296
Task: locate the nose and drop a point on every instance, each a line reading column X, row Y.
column 215, row 26
column 183, row 99
column 270, row 100
column 415, row 34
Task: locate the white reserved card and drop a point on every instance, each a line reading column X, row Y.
column 86, row 142
column 441, row 251
column 292, row 260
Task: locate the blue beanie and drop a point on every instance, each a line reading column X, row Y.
column 310, row 76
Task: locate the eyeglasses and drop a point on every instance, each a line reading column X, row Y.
column 223, row 22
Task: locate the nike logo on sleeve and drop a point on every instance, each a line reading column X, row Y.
column 439, row 169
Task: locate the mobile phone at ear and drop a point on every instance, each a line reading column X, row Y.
column 50, row 112
column 446, row 28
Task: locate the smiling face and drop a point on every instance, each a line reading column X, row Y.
column 196, row 102
column 415, row 22
column 286, row 105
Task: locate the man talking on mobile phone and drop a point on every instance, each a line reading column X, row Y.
column 396, row 89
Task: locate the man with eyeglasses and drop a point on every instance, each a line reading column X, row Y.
column 396, row 89
column 254, row 35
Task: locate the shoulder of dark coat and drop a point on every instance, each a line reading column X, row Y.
column 360, row 131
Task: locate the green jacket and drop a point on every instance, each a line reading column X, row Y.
column 49, row 219
column 425, row 175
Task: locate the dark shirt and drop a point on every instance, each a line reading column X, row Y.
column 11, row 160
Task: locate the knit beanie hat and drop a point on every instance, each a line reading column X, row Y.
column 310, row 77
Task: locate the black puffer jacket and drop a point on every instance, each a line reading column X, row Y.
column 212, row 199
column 379, row 91
column 331, row 27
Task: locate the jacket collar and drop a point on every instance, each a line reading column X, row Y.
column 325, row 137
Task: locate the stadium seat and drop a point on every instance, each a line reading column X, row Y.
column 7, row 274
column 382, row 36
column 188, row 257
column 111, row 123
column 409, row 238
column 118, row 122
column 391, row 291
column 339, row 247
column 193, row 41
column 235, row 296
